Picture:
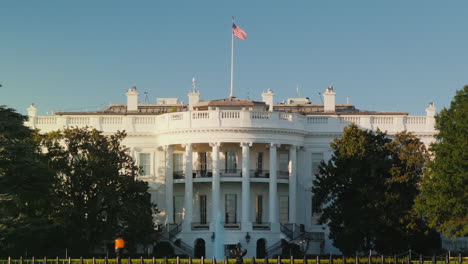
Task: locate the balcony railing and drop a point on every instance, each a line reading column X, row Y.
column 178, row 174
column 260, row 174
column 202, row 174
column 200, row 225
column 261, row 225
column 230, row 173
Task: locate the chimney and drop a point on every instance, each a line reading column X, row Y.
column 431, row 110
column 268, row 98
column 194, row 95
column 329, row 99
column 132, row 99
column 32, row 111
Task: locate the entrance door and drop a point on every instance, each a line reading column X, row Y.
column 199, row 248
column 261, row 248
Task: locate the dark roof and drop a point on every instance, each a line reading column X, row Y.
column 230, row 101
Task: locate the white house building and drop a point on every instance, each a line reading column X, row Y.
column 235, row 171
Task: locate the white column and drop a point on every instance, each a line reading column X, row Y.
column 292, row 183
column 188, row 199
column 216, row 186
column 246, row 221
column 169, row 185
column 273, row 190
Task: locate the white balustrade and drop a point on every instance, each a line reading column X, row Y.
column 232, row 118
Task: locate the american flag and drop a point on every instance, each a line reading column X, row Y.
column 238, row 32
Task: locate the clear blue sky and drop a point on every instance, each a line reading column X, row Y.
column 393, row 55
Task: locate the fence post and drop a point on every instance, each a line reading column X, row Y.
column 278, row 260
column 304, row 260
column 177, row 260
column 330, row 259
column 253, row 260
column 9, row 260
column 460, row 261
column 291, row 259
column 343, row 259
column 356, row 260
column 202, row 260
column 153, row 261
column 21, row 260
column 141, row 260
column 93, row 260
column 408, row 259
column 265, row 260
column 81, row 260
column 106, row 260
column 421, row 259
column 56, row 260
column 33, row 260
column 433, row 259
column 129, row 260
column 395, row 261
column 190, row 260
column 69, row 260
column 45, row 260
column 213, row 260
column 369, row 259
column 165, row 260
column 317, row 260
column 226, row 260
column 382, row 259
column 447, row 260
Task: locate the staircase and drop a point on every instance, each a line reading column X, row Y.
column 294, row 234
column 169, row 233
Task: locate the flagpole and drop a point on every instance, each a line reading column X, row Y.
column 232, row 61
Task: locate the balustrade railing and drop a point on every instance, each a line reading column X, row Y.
column 282, row 174
column 230, row 173
column 202, row 174
column 259, row 173
column 232, row 118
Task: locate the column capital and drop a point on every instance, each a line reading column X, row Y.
column 247, row 144
column 273, row 145
column 187, row 146
column 166, row 147
column 215, row 144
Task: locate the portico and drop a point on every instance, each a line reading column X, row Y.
column 234, row 166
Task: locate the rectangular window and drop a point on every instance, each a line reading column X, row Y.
column 316, row 159
column 283, row 162
column 260, row 162
column 203, row 215
column 230, row 162
column 230, row 209
column 259, row 209
column 316, row 208
column 178, row 163
column 202, row 161
column 284, row 209
column 145, row 164
column 178, row 209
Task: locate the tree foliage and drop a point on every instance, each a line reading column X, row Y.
column 25, row 189
column 367, row 190
column 98, row 196
column 444, row 198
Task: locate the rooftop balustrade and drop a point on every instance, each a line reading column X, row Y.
column 235, row 119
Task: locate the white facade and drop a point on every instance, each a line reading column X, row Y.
column 233, row 172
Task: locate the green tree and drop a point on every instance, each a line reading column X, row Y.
column 99, row 197
column 25, row 190
column 444, row 198
column 367, row 191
